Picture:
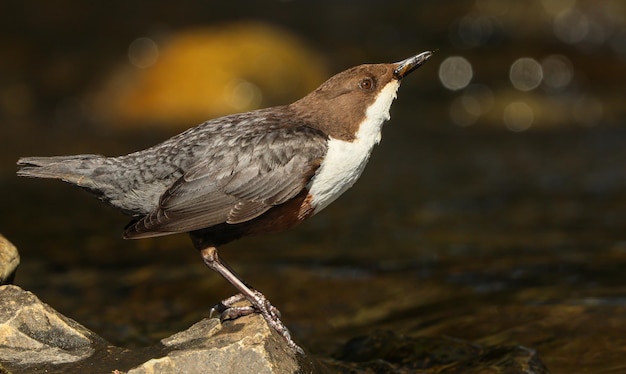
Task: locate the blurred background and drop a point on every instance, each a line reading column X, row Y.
column 493, row 210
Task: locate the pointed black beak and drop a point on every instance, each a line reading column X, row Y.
column 404, row 67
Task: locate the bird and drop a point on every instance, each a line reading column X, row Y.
column 244, row 174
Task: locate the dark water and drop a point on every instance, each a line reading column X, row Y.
column 477, row 232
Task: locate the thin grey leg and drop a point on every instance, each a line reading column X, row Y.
column 258, row 300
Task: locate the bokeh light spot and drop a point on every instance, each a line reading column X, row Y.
column 518, row 116
column 455, row 73
column 473, row 30
column 557, row 72
column 571, row 26
column 557, row 6
column 143, row 52
column 476, row 100
column 459, row 113
column 244, row 95
column 525, row 74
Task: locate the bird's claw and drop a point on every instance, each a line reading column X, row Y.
column 228, row 311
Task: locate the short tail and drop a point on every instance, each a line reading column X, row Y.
column 71, row 169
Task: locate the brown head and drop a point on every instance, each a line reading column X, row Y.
column 339, row 105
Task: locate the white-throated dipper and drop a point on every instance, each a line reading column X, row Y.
column 244, row 174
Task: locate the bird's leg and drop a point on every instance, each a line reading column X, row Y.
column 258, row 300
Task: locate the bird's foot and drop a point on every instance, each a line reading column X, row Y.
column 261, row 305
column 227, row 309
column 259, row 302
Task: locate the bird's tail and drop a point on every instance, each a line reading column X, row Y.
column 72, row 169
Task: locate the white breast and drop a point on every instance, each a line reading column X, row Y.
column 345, row 160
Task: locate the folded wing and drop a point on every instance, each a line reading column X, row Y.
column 238, row 183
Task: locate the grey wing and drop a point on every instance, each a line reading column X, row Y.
column 238, row 184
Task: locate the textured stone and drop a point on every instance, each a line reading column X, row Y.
column 9, row 260
column 35, row 337
column 246, row 345
column 32, row 333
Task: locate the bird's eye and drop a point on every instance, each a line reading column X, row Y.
column 366, row 84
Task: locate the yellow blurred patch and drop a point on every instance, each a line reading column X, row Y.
column 204, row 73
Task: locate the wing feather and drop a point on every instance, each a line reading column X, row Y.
column 256, row 173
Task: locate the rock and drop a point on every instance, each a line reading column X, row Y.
column 9, row 260
column 32, row 333
column 35, row 337
column 246, row 345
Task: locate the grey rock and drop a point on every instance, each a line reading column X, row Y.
column 31, row 332
column 35, row 337
column 246, row 345
column 9, row 260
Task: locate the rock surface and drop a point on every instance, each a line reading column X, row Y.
column 246, row 348
column 35, row 337
column 32, row 333
column 9, row 260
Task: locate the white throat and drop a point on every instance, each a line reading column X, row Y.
column 345, row 161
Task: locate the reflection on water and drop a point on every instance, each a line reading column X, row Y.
column 493, row 210
column 575, row 30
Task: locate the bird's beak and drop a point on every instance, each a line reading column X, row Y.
column 404, row 67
